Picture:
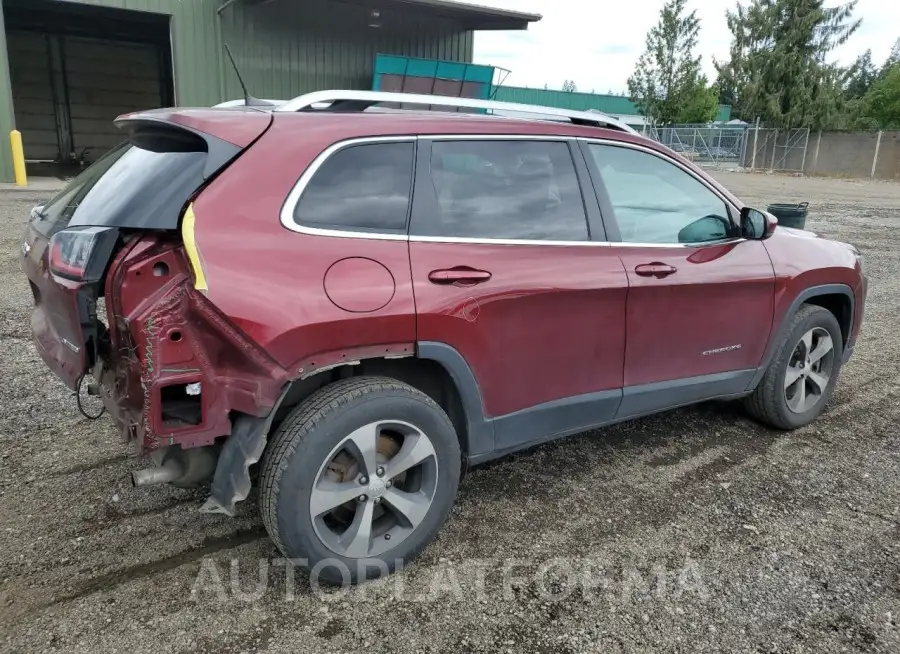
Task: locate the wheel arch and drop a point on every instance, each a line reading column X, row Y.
column 436, row 369
column 836, row 298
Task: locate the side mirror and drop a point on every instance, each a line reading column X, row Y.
column 706, row 229
column 756, row 225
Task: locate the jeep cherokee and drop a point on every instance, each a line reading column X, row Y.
column 365, row 302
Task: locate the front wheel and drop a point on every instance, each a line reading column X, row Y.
column 359, row 478
column 800, row 380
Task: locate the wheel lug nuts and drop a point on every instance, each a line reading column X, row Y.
column 380, row 472
column 387, row 536
column 377, row 500
column 362, row 498
column 363, row 480
column 389, row 483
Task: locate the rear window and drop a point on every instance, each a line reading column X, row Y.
column 140, row 186
column 361, row 187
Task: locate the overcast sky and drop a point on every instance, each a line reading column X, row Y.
column 597, row 42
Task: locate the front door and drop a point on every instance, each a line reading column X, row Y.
column 700, row 298
column 505, row 272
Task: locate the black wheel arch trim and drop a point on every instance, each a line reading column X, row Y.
column 778, row 335
column 480, row 437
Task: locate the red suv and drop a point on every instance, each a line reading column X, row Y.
column 365, row 302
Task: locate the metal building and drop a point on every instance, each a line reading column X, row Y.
column 68, row 68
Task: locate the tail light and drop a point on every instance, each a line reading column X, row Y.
column 81, row 253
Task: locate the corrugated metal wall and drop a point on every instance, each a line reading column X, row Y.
column 284, row 48
column 107, row 79
column 6, row 107
column 29, row 73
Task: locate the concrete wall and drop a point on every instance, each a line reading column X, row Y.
column 827, row 154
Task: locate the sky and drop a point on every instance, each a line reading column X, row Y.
column 597, row 43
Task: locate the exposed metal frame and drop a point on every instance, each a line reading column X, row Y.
column 361, row 100
column 286, row 215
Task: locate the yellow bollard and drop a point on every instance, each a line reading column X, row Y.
column 18, row 153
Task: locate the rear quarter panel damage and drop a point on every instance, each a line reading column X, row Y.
column 164, row 333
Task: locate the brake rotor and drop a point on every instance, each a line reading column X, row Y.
column 343, row 467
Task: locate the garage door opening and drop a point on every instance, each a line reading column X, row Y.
column 73, row 69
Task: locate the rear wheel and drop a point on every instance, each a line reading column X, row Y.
column 359, row 478
column 801, row 378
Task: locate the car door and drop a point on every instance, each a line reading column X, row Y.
column 700, row 297
column 506, row 274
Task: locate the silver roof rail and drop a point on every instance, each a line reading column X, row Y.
column 362, row 100
column 243, row 103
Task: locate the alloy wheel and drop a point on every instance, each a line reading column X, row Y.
column 374, row 489
column 809, row 370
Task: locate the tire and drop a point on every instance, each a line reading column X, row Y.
column 314, row 445
column 770, row 403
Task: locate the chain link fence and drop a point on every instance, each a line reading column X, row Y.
column 739, row 146
column 776, row 149
column 717, row 147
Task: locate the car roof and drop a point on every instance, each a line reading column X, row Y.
column 383, row 122
column 380, row 121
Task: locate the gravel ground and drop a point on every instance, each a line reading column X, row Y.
column 694, row 531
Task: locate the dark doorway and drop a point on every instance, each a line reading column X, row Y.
column 74, row 68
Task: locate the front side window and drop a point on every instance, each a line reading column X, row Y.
column 655, row 201
column 364, row 186
column 520, row 190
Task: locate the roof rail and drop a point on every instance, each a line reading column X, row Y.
column 362, row 100
column 243, row 103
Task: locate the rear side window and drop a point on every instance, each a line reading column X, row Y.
column 519, row 190
column 130, row 186
column 365, row 187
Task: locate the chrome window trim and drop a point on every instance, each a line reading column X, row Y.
column 290, row 203
column 506, row 241
column 555, row 138
column 703, row 244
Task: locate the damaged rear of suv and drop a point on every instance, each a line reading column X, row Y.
column 171, row 369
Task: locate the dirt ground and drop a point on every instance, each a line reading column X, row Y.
column 693, row 531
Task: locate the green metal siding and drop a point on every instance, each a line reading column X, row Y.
column 286, row 49
column 283, row 48
column 196, row 48
column 6, row 108
column 611, row 104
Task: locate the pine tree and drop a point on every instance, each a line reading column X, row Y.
column 778, row 69
column 892, row 60
column 861, row 76
column 667, row 85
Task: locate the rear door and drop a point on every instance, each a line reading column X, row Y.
column 700, row 298
column 505, row 271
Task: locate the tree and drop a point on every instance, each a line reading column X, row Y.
column 892, row 60
column 778, row 69
column 700, row 104
column 569, row 86
column 882, row 102
column 861, row 76
column 667, row 85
